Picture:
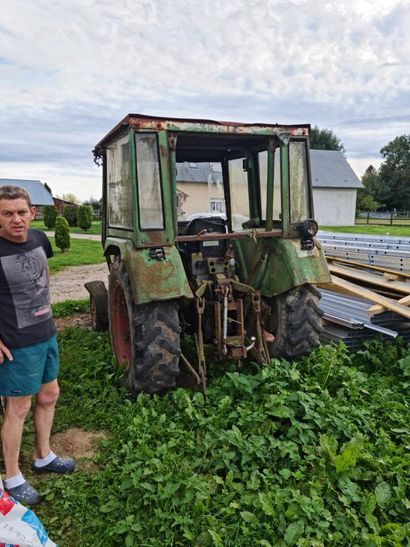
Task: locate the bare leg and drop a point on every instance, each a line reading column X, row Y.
column 12, row 431
column 46, row 400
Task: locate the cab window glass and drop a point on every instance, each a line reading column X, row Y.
column 298, row 180
column 149, row 182
column 239, row 191
column 119, row 184
column 263, row 176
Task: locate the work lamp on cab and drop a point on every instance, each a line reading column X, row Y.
column 308, row 228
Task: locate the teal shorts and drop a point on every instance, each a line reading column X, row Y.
column 32, row 366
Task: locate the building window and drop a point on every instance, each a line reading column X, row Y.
column 217, row 206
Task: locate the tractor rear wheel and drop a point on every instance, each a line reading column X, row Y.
column 295, row 321
column 145, row 338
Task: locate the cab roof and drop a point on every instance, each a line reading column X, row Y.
column 142, row 122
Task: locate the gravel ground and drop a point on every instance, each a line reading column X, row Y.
column 69, row 283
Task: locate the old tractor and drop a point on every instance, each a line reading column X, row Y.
column 236, row 269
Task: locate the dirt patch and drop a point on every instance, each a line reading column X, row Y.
column 77, row 320
column 69, row 283
column 76, row 443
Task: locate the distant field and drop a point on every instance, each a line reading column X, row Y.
column 95, row 228
column 384, row 221
column 399, row 231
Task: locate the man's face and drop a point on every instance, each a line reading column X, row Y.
column 15, row 219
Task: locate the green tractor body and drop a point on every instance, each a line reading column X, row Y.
column 241, row 278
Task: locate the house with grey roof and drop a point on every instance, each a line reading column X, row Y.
column 35, row 188
column 335, row 186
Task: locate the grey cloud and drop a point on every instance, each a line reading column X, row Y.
column 73, row 70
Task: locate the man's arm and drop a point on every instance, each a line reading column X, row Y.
column 4, row 352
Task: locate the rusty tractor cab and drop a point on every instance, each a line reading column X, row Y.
column 230, row 258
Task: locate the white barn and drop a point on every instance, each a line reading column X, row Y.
column 335, row 187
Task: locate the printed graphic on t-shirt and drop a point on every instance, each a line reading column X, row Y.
column 26, row 275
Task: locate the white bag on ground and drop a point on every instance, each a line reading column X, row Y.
column 19, row 526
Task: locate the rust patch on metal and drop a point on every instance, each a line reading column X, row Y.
column 155, row 123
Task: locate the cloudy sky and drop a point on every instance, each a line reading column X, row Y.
column 71, row 69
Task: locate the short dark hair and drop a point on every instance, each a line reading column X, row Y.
column 8, row 191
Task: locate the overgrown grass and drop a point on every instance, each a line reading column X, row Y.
column 312, row 453
column 70, row 307
column 81, row 252
column 402, row 231
column 94, row 229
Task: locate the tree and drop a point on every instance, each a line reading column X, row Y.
column 71, row 198
column 95, row 204
column 394, row 173
column 70, row 214
column 365, row 202
column 50, row 215
column 62, row 234
column 324, row 139
column 367, row 196
column 84, row 217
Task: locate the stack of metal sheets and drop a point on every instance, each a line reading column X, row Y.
column 346, row 317
column 346, row 320
column 386, row 252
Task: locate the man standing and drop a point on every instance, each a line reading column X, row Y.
column 29, row 361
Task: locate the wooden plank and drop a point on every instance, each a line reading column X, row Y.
column 370, row 279
column 363, row 266
column 334, row 288
column 387, row 303
column 377, row 308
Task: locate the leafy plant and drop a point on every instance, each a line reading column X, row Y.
column 62, row 234
column 309, row 453
column 70, row 214
column 50, row 215
column 84, row 217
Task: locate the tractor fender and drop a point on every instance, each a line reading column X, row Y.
column 155, row 274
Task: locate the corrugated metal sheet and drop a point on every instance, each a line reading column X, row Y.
column 35, row 188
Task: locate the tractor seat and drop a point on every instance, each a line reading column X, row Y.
column 207, row 248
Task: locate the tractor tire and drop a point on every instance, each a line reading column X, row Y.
column 98, row 305
column 145, row 338
column 295, row 321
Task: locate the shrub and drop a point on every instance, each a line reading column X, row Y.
column 70, row 214
column 62, row 234
column 50, row 215
column 84, row 217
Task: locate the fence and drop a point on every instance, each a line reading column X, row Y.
column 390, row 218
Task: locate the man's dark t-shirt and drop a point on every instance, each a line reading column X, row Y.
column 25, row 311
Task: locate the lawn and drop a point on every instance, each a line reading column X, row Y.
column 82, row 252
column 399, row 231
column 95, row 228
column 312, row 453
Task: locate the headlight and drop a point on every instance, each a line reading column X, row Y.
column 308, row 228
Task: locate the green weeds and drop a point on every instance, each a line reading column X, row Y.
column 311, row 453
column 69, row 307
